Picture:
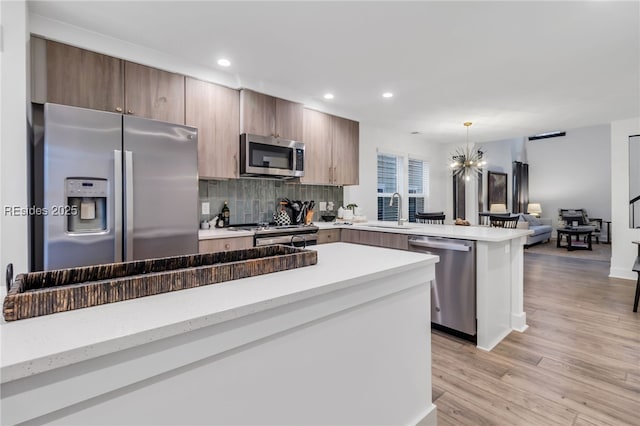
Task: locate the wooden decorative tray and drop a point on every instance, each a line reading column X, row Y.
column 42, row 293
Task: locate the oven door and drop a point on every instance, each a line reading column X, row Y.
column 262, row 155
column 295, row 240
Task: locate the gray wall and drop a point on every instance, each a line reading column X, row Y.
column 572, row 172
column 255, row 200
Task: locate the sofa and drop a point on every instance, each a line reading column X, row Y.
column 541, row 228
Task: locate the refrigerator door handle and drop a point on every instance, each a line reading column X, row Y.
column 117, row 203
column 128, row 190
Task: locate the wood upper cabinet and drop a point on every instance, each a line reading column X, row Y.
column 266, row 115
column 153, row 93
column 346, row 135
column 215, row 111
column 331, row 149
column 257, row 113
column 81, row 78
column 289, row 120
column 68, row 75
column 318, row 145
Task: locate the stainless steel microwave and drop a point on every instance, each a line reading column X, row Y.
column 269, row 156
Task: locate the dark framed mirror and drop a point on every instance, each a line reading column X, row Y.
column 497, row 189
column 634, row 181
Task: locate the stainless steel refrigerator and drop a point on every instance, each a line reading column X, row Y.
column 109, row 187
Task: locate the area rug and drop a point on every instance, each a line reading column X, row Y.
column 600, row 251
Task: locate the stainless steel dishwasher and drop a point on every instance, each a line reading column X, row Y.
column 453, row 292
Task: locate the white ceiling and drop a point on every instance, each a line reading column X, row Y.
column 513, row 68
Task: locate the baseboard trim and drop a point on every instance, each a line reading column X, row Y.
column 623, row 273
column 429, row 417
column 519, row 322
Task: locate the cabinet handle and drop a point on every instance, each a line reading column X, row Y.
column 335, row 179
column 129, row 112
column 330, row 174
column 118, row 109
column 227, row 246
column 235, row 165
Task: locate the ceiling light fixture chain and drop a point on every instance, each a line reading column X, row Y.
column 467, row 162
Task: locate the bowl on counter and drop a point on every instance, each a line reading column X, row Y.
column 328, row 217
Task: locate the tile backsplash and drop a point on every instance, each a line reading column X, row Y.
column 255, row 200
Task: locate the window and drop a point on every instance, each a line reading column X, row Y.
column 392, row 178
column 418, row 187
column 389, row 167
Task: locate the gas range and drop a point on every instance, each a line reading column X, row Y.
column 270, row 233
column 273, row 229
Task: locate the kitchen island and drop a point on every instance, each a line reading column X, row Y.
column 345, row 341
column 499, row 272
column 499, row 269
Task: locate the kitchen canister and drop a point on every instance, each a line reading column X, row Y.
column 281, row 217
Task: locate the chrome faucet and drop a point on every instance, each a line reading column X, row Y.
column 400, row 220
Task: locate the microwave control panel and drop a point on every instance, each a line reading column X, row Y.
column 299, row 159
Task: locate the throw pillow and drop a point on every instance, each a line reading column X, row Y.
column 533, row 221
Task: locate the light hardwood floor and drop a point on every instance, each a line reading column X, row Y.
column 577, row 364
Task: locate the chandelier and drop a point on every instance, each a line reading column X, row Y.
column 467, row 162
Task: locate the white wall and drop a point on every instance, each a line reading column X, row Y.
column 500, row 156
column 373, row 139
column 13, row 135
column 623, row 252
column 572, row 172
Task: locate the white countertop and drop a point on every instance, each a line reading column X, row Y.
column 214, row 233
column 476, row 233
column 35, row 345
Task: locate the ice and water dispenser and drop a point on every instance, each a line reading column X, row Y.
column 87, row 203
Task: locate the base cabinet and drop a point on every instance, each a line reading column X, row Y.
column 225, row 244
column 329, row 236
column 375, row 238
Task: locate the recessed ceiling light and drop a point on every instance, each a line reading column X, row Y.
column 387, row 95
column 224, row 62
column 328, row 95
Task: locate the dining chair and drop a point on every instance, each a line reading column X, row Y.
column 503, row 221
column 432, row 218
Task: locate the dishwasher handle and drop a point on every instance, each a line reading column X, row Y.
column 439, row 245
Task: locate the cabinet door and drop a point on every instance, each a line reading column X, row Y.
column 153, row 93
column 225, row 244
column 318, row 140
column 81, row 78
column 257, row 113
column 346, row 134
column 394, row 241
column 289, row 120
column 215, row 111
column 329, row 236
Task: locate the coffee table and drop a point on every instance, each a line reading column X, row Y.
column 578, row 243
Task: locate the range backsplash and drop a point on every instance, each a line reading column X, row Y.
column 255, row 200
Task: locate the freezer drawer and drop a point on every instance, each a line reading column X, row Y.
column 453, row 292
